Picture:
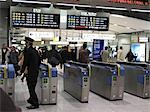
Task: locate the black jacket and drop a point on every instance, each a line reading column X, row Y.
column 32, row 62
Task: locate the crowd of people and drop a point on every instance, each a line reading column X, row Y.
column 27, row 62
column 105, row 55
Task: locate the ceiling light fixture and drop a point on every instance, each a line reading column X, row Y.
column 137, row 10
column 73, row 5
column 112, row 8
column 116, row 15
column 2, row 0
column 115, row 24
column 128, row 27
column 25, row 1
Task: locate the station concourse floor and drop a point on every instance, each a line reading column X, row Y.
column 66, row 103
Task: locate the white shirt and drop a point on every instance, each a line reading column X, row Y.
column 120, row 56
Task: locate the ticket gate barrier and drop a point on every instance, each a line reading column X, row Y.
column 107, row 80
column 7, row 79
column 3, row 77
column 137, row 78
column 76, row 80
column 11, row 81
column 47, row 84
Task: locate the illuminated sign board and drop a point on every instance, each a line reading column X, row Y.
column 36, row 20
column 134, row 2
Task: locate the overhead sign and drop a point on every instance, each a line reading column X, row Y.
column 36, row 20
column 128, row 4
column 134, row 2
column 87, row 23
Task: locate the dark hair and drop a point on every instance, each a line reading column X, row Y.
column 53, row 46
column 121, row 47
column 84, row 45
column 106, row 48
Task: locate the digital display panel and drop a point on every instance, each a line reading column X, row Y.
column 30, row 19
column 87, row 23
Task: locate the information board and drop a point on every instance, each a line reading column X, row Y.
column 36, row 20
column 87, row 23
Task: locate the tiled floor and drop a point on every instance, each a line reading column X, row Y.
column 96, row 104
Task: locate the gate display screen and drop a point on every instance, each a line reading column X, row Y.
column 87, row 23
column 37, row 20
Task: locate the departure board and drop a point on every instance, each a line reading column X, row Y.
column 87, row 23
column 36, row 20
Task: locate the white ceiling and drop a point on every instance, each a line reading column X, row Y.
column 124, row 24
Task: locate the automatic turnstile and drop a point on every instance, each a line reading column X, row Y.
column 107, row 80
column 137, row 78
column 76, row 80
column 7, row 80
column 3, row 77
column 47, row 84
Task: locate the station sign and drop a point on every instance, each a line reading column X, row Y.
column 35, row 20
column 87, row 23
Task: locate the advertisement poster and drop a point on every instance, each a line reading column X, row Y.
column 98, row 46
column 138, row 50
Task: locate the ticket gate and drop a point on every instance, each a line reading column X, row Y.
column 137, row 78
column 7, row 79
column 46, row 88
column 107, row 80
column 3, row 77
column 11, row 81
column 76, row 80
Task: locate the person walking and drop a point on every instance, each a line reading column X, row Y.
column 54, row 57
column 32, row 63
column 14, row 59
column 84, row 54
column 105, row 55
column 120, row 56
column 130, row 56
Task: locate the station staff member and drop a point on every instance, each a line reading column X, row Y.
column 31, row 62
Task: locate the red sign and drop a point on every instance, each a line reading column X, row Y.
column 133, row 2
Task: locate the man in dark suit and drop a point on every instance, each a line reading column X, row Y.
column 32, row 63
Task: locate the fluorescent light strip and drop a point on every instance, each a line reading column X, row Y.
column 113, row 8
column 2, row 0
column 137, row 10
column 116, row 15
column 73, row 5
column 24, row 1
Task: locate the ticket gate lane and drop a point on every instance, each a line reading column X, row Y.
column 105, row 80
column 137, row 79
column 47, row 85
column 7, row 80
column 76, row 81
column 3, row 77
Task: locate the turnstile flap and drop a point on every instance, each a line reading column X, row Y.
column 115, row 68
column 78, row 64
column 104, row 63
column 43, row 67
column 11, row 71
column 134, row 64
